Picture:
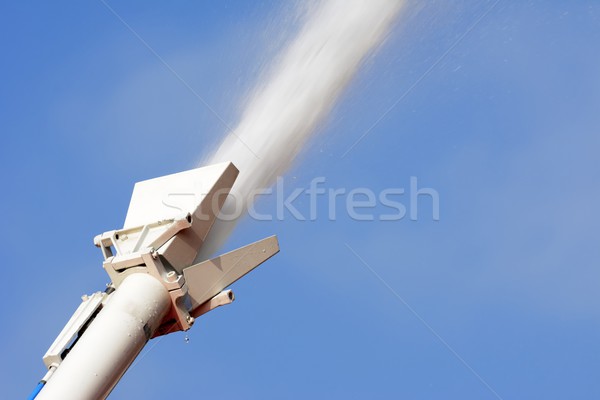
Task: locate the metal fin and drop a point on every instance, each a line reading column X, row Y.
column 207, row 279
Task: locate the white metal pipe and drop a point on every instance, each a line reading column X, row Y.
column 112, row 341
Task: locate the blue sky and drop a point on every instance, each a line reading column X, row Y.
column 500, row 295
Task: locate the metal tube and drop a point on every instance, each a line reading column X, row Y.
column 112, row 341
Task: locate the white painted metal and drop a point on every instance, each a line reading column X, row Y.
column 134, row 239
column 181, row 251
column 156, row 289
column 222, row 299
column 111, row 343
column 208, row 278
column 82, row 316
column 168, row 196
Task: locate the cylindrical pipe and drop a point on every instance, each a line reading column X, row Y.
column 111, row 342
column 36, row 391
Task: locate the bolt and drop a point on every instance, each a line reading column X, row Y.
column 171, row 276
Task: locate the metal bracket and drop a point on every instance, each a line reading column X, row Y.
column 134, row 252
column 133, row 240
column 86, row 311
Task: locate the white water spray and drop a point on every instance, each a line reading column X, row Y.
column 300, row 91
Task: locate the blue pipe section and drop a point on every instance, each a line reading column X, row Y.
column 36, row 391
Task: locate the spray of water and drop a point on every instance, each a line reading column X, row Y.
column 298, row 93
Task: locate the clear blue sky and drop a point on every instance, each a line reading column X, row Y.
column 505, row 127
